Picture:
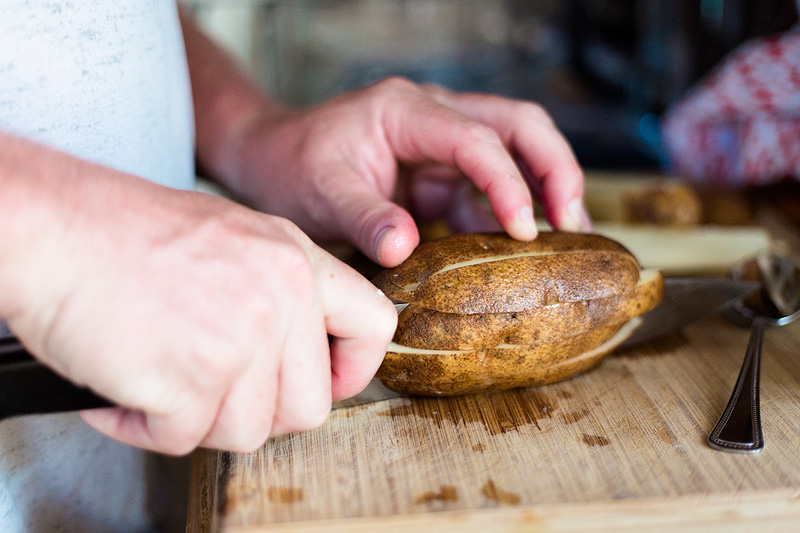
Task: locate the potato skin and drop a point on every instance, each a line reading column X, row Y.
column 513, row 284
column 491, row 369
column 522, row 283
column 668, row 204
column 536, row 317
column 421, row 327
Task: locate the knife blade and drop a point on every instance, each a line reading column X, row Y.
column 28, row 387
column 375, row 392
column 687, row 300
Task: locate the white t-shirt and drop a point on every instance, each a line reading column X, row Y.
column 106, row 81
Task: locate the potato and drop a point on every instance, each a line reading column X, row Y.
column 667, row 204
column 492, row 273
column 421, row 327
column 451, row 372
column 637, row 198
column 484, row 312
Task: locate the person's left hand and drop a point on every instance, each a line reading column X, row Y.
column 338, row 170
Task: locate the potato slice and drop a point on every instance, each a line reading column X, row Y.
column 421, row 327
column 517, row 283
column 465, row 262
column 453, row 372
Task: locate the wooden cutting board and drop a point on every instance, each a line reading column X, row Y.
column 621, row 447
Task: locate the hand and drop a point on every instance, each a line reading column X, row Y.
column 206, row 320
column 338, row 169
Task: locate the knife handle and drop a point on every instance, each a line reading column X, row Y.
column 29, row 387
column 739, row 427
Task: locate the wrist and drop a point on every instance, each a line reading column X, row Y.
column 34, row 218
column 227, row 106
column 227, row 152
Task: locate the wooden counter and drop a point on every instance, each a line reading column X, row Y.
column 622, row 447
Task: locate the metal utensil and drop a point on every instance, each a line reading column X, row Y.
column 687, row 300
column 778, row 303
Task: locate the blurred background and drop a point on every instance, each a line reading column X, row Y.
column 608, row 71
column 605, row 69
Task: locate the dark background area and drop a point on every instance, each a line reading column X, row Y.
column 605, row 69
column 636, row 57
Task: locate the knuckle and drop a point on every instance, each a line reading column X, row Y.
column 180, row 448
column 575, row 171
column 291, row 259
column 433, row 88
column 395, row 84
column 179, row 441
column 475, row 132
column 286, row 227
column 300, row 276
column 531, row 111
column 317, row 415
column 249, row 443
column 217, row 364
column 311, row 416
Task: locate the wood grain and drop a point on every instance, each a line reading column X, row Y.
column 620, row 447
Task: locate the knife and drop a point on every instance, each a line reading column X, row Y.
column 687, row 300
column 29, row 387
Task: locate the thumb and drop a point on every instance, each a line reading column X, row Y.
column 381, row 229
column 176, row 434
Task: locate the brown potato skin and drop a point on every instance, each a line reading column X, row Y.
column 420, row 327
column 522, row 283
column 491, row 369
column 673, row 204
column 433, row 256
column 553, row 309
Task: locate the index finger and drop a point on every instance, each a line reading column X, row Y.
column 424, row 131
column 544, row 154
column 361, row 320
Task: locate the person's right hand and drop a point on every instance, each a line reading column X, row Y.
column 206, row 321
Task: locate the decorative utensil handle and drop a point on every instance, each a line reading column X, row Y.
column 739, row 427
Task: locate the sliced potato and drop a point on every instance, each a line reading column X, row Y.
column 422, row 327
column 484, row 312
column 509, row 284
column 484, row 253
column 453, row 372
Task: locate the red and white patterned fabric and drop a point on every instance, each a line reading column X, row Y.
column 740, row 126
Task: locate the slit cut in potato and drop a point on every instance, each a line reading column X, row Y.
column 484, row 312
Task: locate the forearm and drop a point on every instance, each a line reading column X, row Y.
column 51, row 204
column 36, row 182
column 226, row 104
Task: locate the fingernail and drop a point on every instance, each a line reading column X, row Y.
column 573, row 214
column 525, row 217
column 379, row 238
